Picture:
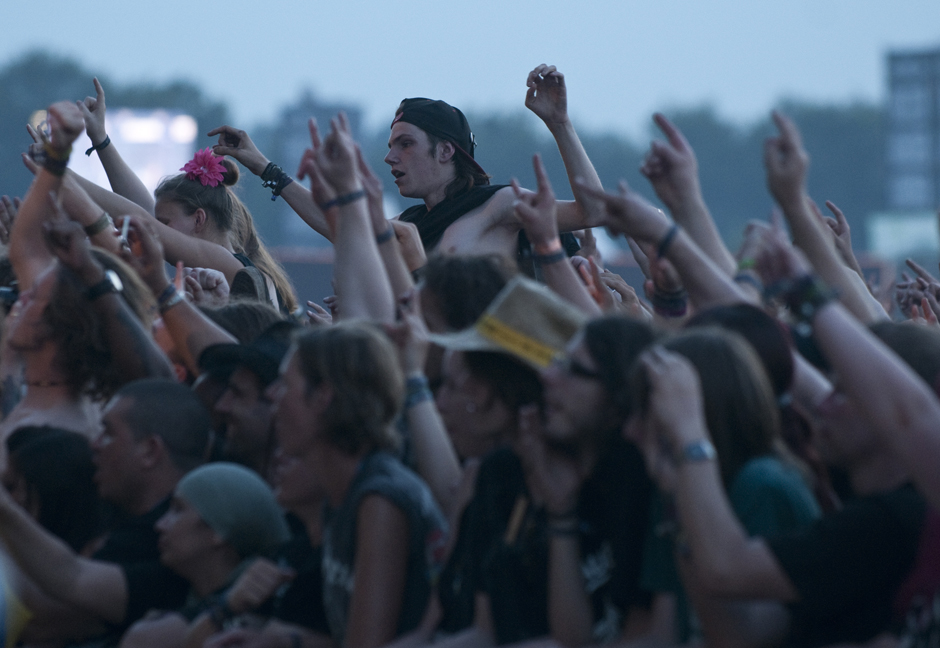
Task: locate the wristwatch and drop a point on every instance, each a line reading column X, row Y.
column 111, row 283
column 698, row 451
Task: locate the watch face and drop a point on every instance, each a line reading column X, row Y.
column 111, row 283
column 115, row 280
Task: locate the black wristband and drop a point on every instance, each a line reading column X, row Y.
column 345, row 199
column 55, row 162
column 385, row 236
column 274, row 178
column 667, row 240
column 99, row 147
column 104, row 222
column 670, row 304
column 804, row 297
column 548, row 259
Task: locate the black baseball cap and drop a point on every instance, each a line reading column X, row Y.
column 440, row 119
column 262, row 357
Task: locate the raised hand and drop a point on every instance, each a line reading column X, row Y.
column 207, row 287
column 840, row 228
column 317, row 315
column 671, row 166
column 93, row 111
column 409, row 240
column 588, row 243
column 630, row 214
column 65, row 124
column 256, row 585
column 144, row 253
column 786, row 161
column 547, row 96
column 410, row 334
column 331, row 163
column 236, row 143
column 553, row 479
column 67, row 241
column 537, row 211
column 373, row 187
column 629, row 302
column 675, row 414
column 925, row 314
column 777, row 260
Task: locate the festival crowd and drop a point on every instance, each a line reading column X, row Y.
column 486, row 438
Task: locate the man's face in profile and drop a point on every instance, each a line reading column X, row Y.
column 414, row 164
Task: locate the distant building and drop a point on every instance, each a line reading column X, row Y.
column 913, row 146
column 912, row 191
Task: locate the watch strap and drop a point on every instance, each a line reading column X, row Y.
column 111, row 283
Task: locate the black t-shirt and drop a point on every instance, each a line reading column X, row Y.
column 511, row 566
column 132, row 545
column 382, row 474
column 301, row 602
column 848, row 566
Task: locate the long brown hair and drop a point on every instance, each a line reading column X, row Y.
column 231, row 216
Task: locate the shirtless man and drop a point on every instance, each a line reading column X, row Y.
column 430, row 148
column 431, row 157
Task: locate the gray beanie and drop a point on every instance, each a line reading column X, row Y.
column 238, row 505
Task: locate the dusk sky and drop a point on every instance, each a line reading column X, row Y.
column 623, row 59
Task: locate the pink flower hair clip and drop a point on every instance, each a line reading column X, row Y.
column 205, row 167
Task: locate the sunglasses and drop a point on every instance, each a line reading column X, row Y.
column 574, row 368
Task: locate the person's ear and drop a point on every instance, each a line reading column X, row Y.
column 151, row 451
column 445, row 151
column 201, row 220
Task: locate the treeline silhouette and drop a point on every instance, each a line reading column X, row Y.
column 845, row 142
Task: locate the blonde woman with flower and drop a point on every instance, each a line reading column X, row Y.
column 199, row 220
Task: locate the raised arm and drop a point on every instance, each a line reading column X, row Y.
column 237, row 144
column 555, row 480
column 889, row 394
column 725, row 560
column 386, row 236
column 362, row 284
column 537, row 212
column 435, row 457
column 123, row 180
column 97, row 587
column 630, row 214
column 134, row 354
column 547, row 97
column 192, row 332
column 787, row 164
column 177, row 246
column 672, row 169
column 28, row 252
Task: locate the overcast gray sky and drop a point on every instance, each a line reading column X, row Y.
column 623, row 59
